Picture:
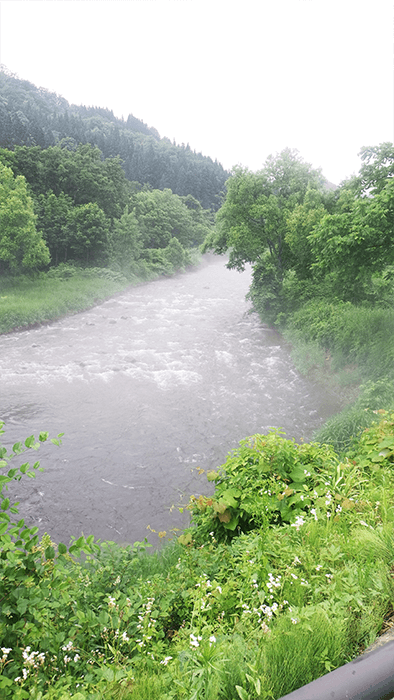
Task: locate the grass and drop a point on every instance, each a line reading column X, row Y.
column 27, row 302
column 349, row 350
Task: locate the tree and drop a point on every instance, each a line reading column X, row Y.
column 377, row 167
column 163, row 215
column 88, row 231
column 21, row 245
column 126, row 243
column 300, row 224
column 253, row 224
column 176, row 254
column 53, row 217
column 356, row 242
column 253, row 219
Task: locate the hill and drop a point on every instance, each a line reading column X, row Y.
column 34, row 116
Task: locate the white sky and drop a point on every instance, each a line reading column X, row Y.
column 236, row 79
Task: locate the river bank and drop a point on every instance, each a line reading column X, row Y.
column 27, row 302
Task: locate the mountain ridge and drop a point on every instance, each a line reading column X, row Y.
column 35, row 116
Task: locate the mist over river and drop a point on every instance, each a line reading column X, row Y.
column 148, row 386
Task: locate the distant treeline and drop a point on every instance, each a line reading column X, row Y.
column 31, row 116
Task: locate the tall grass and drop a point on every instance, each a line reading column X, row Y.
column 26, row 302
column 354, row 335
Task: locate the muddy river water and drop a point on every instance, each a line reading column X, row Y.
column 147, row 387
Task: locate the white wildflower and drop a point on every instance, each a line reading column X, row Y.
column 298, row 522
column 166, row 660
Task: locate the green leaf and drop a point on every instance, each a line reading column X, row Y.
column 22, row 605
column 29, row 442
column 232, row 524
column 62, row 549
column 242, row 693
column 212, row 475
column 43, row 437
column 185, row 539
column 49, row 553
column 298, row 475
column 5, row 504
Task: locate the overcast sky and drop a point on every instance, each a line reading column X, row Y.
column 236, row 79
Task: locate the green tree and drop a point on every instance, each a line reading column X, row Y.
column 88, row 232
column 21, row 245
column 126, row 243
column 176, row 254
column 253, row 219
column 163, row 215
column 377, row 167
column 253, row 224
column 54, row 213
column 356, row 242
column 300, row 223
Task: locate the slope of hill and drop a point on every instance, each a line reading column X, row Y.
column 32, row 116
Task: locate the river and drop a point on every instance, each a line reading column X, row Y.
column 147, row 387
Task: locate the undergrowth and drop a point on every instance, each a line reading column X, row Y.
column 284, row 574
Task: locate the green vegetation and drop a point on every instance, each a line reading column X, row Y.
column 25, row 302
column 90, row 204
column 68, row 289
column 285, row 574
column 322, row 262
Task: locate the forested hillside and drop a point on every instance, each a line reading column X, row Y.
column 31, row 116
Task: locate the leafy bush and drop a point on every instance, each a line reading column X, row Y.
column 266, row 481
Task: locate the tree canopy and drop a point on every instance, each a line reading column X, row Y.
column 21, row 245
column 304, row 240
column 252, row 220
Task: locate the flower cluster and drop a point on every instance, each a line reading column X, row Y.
column 31, row 660
column 146, row 624
column 264, row 613
column 5, row 652
column 299, row 522
column 273, row 582
column 195, row 641
column 70, row 647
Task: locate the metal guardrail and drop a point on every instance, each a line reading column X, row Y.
column 369, row 677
